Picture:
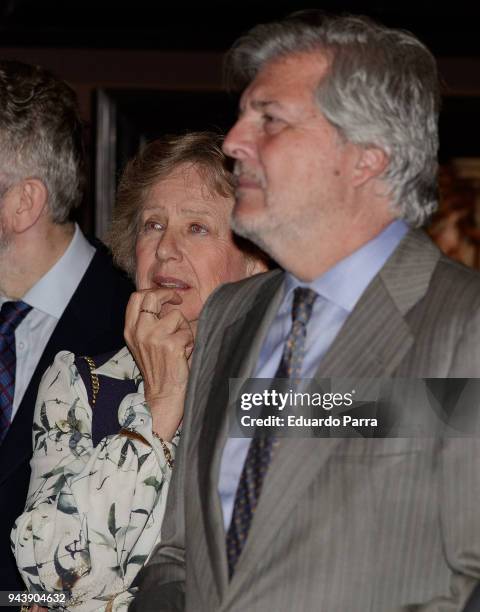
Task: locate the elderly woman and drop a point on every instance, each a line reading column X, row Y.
column 96, row 501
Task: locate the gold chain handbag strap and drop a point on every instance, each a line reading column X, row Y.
column 93, row 377
column 125, row 432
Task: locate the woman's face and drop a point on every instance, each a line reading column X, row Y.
column 184, row 241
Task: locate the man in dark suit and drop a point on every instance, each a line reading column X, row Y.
column 67, row 289
column 335, row 156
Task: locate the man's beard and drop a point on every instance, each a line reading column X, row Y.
column 252, row 233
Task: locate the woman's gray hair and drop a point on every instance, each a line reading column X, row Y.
column 41, row 135
column 381, row 90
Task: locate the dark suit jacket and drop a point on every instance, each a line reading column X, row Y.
column 92, row 323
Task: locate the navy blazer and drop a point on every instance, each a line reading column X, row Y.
column 92, row 323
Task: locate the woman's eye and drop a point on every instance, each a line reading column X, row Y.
column 153, row 226
column 196, row 228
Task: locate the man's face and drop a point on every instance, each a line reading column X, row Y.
column 293, row 169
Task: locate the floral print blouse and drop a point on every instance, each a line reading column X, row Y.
column 93, row 514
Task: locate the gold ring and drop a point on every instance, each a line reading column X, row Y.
column 155, row 314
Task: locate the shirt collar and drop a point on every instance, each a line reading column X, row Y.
column 347, row 280
column 121, row 365
column 54, row 290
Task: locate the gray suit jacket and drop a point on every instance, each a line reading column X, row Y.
column 351, row 525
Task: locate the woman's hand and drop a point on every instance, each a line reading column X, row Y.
column 161, row 345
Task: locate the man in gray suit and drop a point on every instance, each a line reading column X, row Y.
column 335, row 150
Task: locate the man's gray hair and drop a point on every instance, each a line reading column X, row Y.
column 41, row 135
column 381, row 90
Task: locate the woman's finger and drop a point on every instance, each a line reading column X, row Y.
column 151, row 331
column 150, row 299
column 143, row 310
column 154, row 300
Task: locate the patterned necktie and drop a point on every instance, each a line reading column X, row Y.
column 11, row 315
column 261, row 448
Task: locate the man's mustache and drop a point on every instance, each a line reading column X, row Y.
column 241, row 172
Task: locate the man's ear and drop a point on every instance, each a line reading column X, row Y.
column 371, row 163
column 31, row 196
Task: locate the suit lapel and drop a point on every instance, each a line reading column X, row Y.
column 376, row 336
column 237, row 357
column 371, row 344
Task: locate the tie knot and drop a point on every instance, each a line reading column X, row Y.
column 12, row 314
column 303, row 300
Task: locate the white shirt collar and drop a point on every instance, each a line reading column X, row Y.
column 347, row 280
column 53, row 291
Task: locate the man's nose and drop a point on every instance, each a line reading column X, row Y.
column 239, row 143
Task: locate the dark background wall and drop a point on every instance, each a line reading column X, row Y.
column 145, row 68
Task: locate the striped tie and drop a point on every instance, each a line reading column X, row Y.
column 261, row 448
column 11, row 315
